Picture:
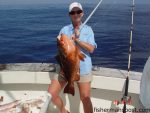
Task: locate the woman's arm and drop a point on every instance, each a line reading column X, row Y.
column 90, row 48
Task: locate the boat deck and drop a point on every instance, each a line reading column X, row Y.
column 24, row 80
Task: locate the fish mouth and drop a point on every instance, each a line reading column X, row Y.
column 58, row 37
column 61, row 42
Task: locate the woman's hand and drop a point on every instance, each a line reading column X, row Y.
column 76, row 34
column 74, row 38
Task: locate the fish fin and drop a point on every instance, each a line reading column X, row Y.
column 81, row 56
column 77, row 77
column 58, row 59
column 69, row 89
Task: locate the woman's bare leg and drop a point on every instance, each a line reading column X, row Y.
column 54, row 89
column 84, row 89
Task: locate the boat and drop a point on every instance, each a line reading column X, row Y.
column 29, row 81
column 23, row 88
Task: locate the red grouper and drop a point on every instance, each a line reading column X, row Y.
column 68, row 57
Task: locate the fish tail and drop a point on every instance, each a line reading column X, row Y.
column 69, row 89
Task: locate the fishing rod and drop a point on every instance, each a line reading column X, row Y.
column 92, row 12
column 127, row 99
column 88, row 18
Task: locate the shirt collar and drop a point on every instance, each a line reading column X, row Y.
column 72, row 28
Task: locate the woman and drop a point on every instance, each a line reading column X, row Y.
column 83, row 36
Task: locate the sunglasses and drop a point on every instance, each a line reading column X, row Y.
column 75, row 12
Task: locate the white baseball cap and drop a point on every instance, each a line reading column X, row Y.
column 75, row 4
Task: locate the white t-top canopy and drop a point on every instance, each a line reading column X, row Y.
column 145, row 85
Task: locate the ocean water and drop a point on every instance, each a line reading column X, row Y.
column 28, row 34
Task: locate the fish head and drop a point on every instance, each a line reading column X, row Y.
column 61, row 39
column 65, row 44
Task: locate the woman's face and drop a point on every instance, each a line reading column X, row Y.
column 76, row 15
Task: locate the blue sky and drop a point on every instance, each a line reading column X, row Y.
column 12, row 2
